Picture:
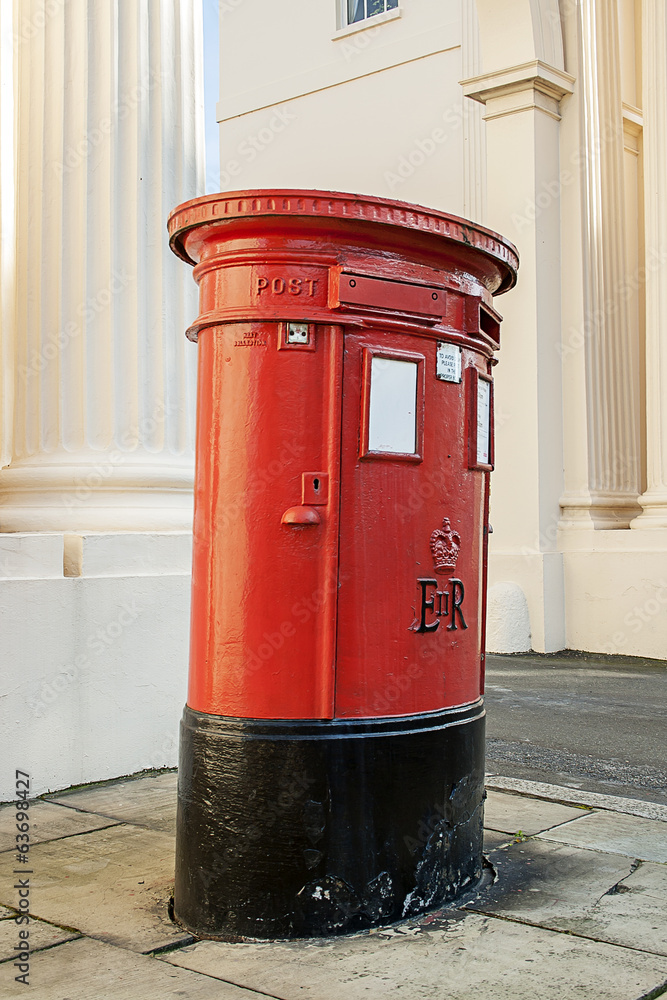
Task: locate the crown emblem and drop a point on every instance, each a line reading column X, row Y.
column 445, row 545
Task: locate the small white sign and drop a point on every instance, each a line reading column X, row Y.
column 483, row 421
column 297, row 333
column 448, row 363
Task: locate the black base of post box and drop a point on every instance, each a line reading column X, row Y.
column 299, row 829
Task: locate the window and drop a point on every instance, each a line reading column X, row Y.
column 359, row 10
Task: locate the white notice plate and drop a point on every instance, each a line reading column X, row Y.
column 392, row 415
column 483, row 421
column 448, row 363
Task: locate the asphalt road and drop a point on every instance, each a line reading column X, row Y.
column 596, row 723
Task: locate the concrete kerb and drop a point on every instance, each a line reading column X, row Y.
column 576, row 797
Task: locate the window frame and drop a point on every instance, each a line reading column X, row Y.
column 345, row 27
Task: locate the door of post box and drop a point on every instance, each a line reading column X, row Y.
column 409, row 623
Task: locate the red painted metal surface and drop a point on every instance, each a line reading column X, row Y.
column 332, row 578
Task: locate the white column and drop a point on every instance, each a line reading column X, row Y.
column 609, row 340
column 654, row 73
column 110, row 139
column 7, row 233
column 522, row 138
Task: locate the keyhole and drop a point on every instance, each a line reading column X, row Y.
column 316, row 485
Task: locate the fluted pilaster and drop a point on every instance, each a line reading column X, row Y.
column 654, row 59
column 522, row 115
column 610, row 342
column 110, row 139
column 474, row 135
column 7, row 235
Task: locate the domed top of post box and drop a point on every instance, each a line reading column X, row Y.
column 331, row 220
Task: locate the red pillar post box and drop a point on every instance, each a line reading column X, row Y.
column 332, row 754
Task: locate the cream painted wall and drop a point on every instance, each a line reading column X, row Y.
column 374, row 109
column 299, row 50
column 95, row 666
column 352, row 138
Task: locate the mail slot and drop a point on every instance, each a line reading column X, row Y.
column 384, row 295
column 332, row 746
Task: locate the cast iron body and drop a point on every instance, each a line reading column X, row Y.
column 331, row 771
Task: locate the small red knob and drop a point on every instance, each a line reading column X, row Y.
column 301, row 516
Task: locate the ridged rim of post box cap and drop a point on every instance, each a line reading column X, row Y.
column 230, row 206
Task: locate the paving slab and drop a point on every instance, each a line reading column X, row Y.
column 42, row 935
column 149, row 801
column 89, row 970
column 630, row 835
column 112, row 884
column 494, row 840
column 47, row 822
column 454, row 959
column 510, row 813
column 606, row 897
column 6, row 914
column 570, row 795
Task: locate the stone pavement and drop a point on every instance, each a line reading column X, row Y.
column 574, row 904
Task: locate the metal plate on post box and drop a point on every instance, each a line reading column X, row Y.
column 315, row 488
column 406, row 297
column 448, row 362
column 483, row 421
column 297, row 333
column 392, row 418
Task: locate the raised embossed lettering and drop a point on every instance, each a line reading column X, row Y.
column 279, row 285
column 433, row 605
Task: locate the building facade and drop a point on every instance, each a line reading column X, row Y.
column 546, row 122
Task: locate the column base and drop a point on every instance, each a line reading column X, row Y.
column 603, row 512
column 115, row 492
column 303, row 828
column 654, row 511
